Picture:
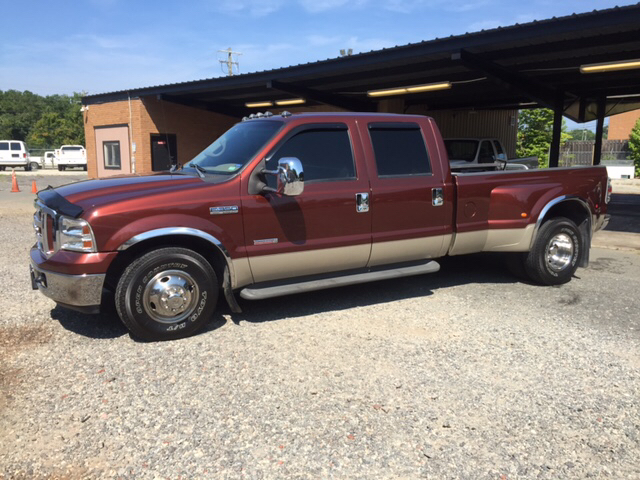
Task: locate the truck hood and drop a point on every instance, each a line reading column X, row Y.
column 90, row 194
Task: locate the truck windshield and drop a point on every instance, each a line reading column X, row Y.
column 461, row 149
column 230, row 152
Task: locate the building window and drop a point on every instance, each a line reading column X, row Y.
column 112, row 155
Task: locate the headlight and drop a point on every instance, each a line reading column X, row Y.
column 76, row 235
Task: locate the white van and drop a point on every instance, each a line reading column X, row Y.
column 68, row 156
column 13, row 153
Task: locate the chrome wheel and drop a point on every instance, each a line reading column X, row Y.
column 171, row 296
column 559, row 252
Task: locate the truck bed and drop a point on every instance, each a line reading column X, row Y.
column 498, row 211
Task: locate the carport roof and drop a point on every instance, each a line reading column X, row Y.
column 520, row 66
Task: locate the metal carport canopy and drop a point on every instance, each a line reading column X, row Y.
column 530, row 65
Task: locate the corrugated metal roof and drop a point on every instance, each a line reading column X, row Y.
column 346, row 61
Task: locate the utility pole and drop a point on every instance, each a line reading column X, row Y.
column 229, row 61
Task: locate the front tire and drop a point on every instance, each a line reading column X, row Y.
column 166, row 294
column 556, row 253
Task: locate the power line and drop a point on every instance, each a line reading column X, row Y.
column 229, row 61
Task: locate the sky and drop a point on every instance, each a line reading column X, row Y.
column 98, row 46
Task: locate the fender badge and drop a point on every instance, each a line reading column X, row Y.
column 223, row 210
column 265, row 241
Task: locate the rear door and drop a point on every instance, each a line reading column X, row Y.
column 320, row 230
column 409, row 221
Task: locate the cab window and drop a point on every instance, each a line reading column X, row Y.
column 325, row 153
column 399, row 149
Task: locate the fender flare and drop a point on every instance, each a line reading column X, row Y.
column 186, row 231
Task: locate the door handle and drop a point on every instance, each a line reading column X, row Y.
column 362, row 202
column 437, row 196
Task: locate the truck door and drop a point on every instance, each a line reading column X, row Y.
column 320, row 230
column 409, row 221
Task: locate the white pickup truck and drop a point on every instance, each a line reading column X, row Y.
column 68, row 156
column 469, row 153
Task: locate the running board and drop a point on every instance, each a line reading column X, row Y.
column 270, row 291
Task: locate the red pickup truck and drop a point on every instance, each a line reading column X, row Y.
column 282, row 204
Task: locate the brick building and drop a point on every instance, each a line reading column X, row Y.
column 131, row 135
column 620, row 125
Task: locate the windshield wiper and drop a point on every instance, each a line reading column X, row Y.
column 201, row 171
column 175, row 168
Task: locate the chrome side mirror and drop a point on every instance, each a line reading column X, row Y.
column 290, row 175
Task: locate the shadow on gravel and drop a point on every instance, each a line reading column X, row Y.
column 481, row 268
column 106, row 325
column 455, row 271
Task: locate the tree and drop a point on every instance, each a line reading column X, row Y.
column 41, row 121
column 634, row 146
column 581, row 134
column 535, row 130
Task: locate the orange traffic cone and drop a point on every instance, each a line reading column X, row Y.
column 34, row 189
column 14, row 182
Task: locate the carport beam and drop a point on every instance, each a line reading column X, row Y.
column 558, row 110
column 597, row 148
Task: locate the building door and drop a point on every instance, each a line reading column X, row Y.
column 164, row 151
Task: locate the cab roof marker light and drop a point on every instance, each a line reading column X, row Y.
column 428, row 87
column 610, row 66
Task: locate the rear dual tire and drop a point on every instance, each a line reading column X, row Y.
column 555, row 255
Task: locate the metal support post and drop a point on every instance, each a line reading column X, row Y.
column 597, row 148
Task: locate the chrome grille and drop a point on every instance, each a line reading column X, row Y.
column 45, row 223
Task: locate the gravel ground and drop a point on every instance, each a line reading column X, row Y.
column 461, row 374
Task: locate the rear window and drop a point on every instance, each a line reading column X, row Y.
column 71, row 149
column 399, row 149
column 16, row 146
column 461, row 149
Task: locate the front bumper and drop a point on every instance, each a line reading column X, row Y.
column 79, row 292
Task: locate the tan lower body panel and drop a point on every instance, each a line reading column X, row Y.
column 495, row 240
column 242, row 272
column 384, row 253
column 308, row 262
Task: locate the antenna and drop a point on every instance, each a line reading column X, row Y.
column 229, row 61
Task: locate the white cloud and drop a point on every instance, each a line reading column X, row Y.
column 254, row 8
column 323, row 40
column 484, row 25
column 467, row 6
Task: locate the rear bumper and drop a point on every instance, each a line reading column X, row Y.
column 83, row 292
column 602, row 222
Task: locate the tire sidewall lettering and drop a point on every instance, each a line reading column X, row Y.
column 141, row 283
